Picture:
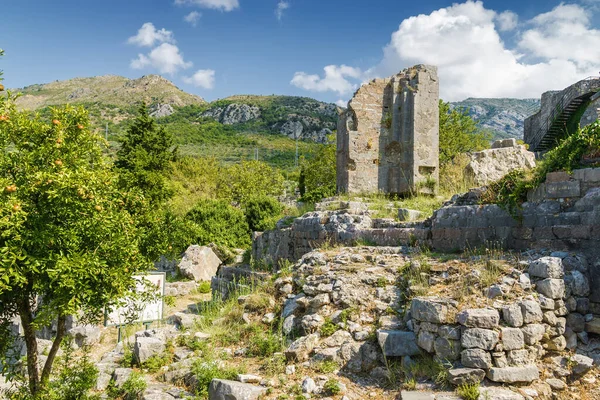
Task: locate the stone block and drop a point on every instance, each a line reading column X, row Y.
column 532, row 312
column 415, row 395
column 513, row 315
column 146, row 347
column 552, row 288
column 525, row 374
column 479, row 338
column 405, row 214
column 447, row 349
column 397, row 343
column 221, row 389
column 479, row 318
column 498, row 393
column 461, row 376
column 199, row 263
column 512, row 338
column 432, row 309
column 476, row 358
column 566, row 189
column 546, row 267
column 533, row 333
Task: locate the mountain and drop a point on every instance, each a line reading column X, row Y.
column 504, row 117
column 108, row 90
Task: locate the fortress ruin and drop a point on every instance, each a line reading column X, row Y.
column 388, row 137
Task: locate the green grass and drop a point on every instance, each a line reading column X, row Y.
column 468, row 391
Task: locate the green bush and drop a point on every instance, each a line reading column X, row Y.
column 262, row 213
column 239, row 182
column 318, row 176
column 216, row 221
column 206, row 371
column 574, row 152
column 468, row 391
column 264, row 344
column 332, row 387
column 204, row 287
column 132, row 389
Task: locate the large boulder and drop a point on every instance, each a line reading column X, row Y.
column 199, row 263
column 397, row 343
column 505, row 156
column 146, row 347
column 221, row 389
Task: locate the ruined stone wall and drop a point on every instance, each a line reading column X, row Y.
column 388, row 138
column 563, row 214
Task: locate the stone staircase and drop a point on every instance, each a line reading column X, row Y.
column 544, row 128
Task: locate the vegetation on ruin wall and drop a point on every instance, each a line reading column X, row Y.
column 579, row 150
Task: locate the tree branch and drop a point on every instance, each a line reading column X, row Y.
column 26, row 315
column 61, row 330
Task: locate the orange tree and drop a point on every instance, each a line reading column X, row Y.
column 68, row 245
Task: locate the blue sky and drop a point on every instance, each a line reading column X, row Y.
column 322, row 49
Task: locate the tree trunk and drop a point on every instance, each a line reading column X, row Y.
column 60, row 334
column 26, row 315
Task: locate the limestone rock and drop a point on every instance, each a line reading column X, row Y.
column 479, row 318
column 221, row 389
column 432, row 309
column 85, row 335
column 556, row 384
column 460, row 376
column 533, row 333
column 479, row 338
column 199, row 263
column 476, row 358
column 512, row 338
column 514, row 374
column 496, row 393
column 532, row 312
column 491, row 165
column 302, row 347
column 593, row 326
column 146, row 347
column 546, row 267
column 397, row 343
column 552, row 288
column 405, row 214
column 513, row 315
column 161, row 110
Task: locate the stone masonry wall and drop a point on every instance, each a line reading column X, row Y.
column 388, row 138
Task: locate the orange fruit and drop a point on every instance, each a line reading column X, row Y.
column 3, row 117
column 10, row 189
column 59, row 141
column 58, row 163
column 98, row 208
column 80, row 126
column 55, row 122
column 1, row 87
column 16, row 207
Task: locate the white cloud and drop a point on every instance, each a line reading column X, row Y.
column 564, row 33
column 342, row 103
column 192, row 18
column 335, row 80
column 223, row 5
column 507, row 21
column 148, row 35
column 204, row 78
column 166, row 58
column 557, row 49
column 281, row 7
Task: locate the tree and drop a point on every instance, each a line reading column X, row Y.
column 318, row 175
column 145, row 156
column 459, row 133
column 247, row 179
column 68, row 245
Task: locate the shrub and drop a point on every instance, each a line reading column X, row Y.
column 247, row 179
column 332, row 387
column 577, row 150
column 132, row 389
column 262, row 213
column 318, row 175
column 264, row 344
column 216, row 221
column 468, row 391
column 328, row 328
column 206, row 371
column 204, row 287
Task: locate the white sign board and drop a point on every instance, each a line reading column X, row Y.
column 135, row 311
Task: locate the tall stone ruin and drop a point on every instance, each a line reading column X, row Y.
column 388, row 137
